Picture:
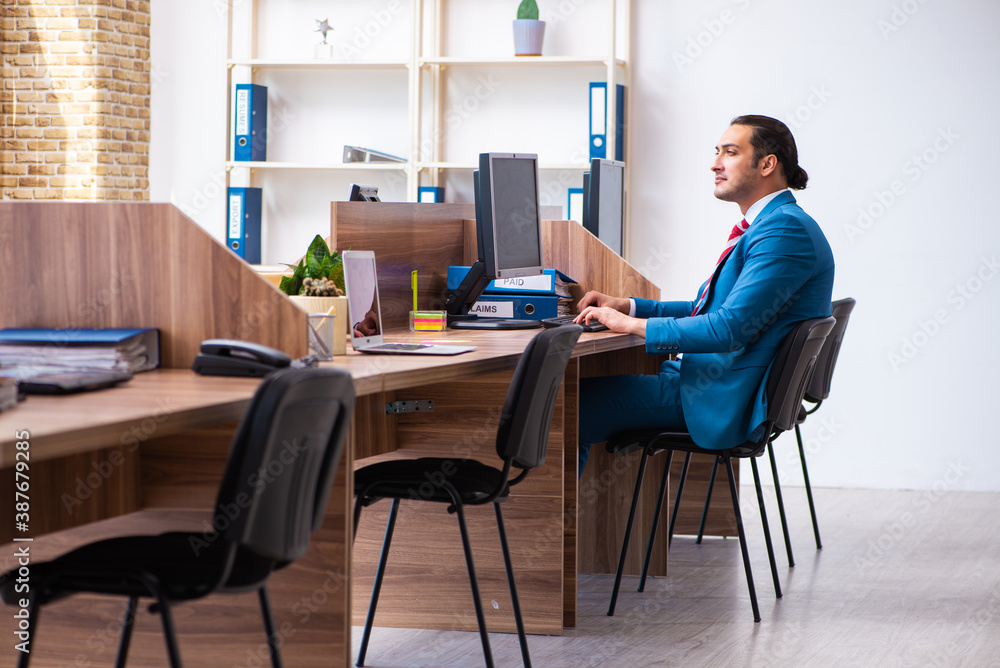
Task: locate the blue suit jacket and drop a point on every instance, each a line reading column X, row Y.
column 779, row 273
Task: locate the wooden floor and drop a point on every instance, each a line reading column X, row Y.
column 903, row 579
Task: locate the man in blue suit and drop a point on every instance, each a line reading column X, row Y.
column 776, row 271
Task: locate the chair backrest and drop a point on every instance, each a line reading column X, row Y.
column 792, row 370
column 282, row 462
column 819, row 386
column 523, row 434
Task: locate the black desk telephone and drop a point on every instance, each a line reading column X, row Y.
column 232, row 357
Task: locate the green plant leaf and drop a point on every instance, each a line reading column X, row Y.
column 528, row 9
column 314, row 266
column 291, row 285
column 337, row 273
column 318, row 249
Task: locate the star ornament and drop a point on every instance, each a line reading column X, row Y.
column 323, row 27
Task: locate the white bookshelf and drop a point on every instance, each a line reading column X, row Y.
column 406, row 92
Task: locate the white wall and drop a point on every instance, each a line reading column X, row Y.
column 872, row 107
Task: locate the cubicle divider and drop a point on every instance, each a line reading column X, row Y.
column 80, row 264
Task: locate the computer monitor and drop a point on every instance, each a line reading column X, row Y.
column 604, row 202
column 361, row 193
column 508, row 235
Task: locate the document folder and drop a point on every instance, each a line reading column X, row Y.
column 120, row 349
column 243, row 235
column 551, row 282
column 251, row 123
column 599, row 120
column 430, row 194
column 522, row 307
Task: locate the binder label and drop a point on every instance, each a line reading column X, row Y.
column 542, row 282
column 498, row 309
column 235, row 216
column 242, row 111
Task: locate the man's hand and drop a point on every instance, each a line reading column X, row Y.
column 593, row 298
column 613, row 319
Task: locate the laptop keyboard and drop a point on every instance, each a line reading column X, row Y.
column 401, row 347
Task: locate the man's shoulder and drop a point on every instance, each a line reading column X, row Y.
column 784, row 210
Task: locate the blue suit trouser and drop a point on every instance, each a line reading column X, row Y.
column 610, row 404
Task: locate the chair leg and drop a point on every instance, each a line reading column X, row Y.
column 809, row 493
column 272, row 636
column 708, row 501
column 739, row 530
column 677, row 499
column 467, row 546
column 126, row 636
column 628, row 533
column 767, row 529
column 526, row 659
column 383, row 558
column 166, row 620
column 656, row 520
column 781, row 504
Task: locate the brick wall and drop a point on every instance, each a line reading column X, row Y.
column 74, row 104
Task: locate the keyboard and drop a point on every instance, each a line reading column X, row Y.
column 560, row 320
column 401, row 347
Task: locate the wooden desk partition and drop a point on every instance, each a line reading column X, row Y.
column 74, row 264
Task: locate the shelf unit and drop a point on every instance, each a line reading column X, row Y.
column 426, row 68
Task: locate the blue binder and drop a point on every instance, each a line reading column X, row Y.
column 544, row 284
column 522, row 307
column 251, row 123
column 599, row 120
column 430, row 194
column 243, row 235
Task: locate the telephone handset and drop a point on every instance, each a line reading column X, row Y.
column 232, row 357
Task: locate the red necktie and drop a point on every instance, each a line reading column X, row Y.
column 734, row 236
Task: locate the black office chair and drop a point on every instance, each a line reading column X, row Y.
column 817, row 391
column 522, row 439
column 786, row 384
column 273, row 494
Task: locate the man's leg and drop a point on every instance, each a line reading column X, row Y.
column 609, row 404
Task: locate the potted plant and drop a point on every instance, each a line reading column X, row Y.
column 317, row 281
column 528, row 30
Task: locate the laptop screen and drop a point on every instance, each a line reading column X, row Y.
column 362, row 296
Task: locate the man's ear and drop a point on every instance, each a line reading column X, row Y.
column 768, row 164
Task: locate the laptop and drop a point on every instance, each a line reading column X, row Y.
column 366, row 315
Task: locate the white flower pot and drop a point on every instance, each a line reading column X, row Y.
column 528, row 37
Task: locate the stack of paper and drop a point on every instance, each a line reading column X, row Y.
column 30, row 350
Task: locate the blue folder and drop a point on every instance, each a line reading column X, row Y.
column 522, row 307
column 544, row 284
column 250, row 129
column 243, row 228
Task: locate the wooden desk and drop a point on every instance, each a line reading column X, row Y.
column 158, row 444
